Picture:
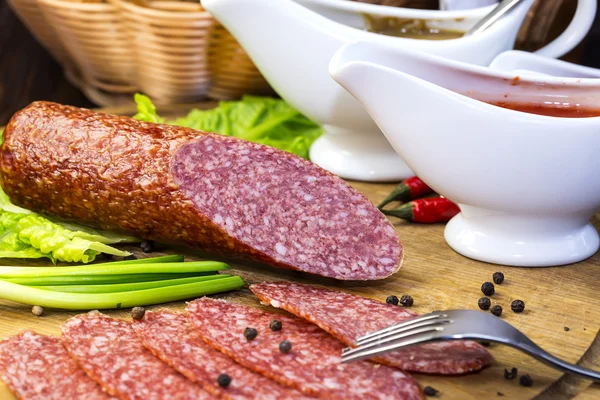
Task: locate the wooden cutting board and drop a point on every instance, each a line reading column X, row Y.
column 438, row 278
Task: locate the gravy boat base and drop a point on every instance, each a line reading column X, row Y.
column 521, row 240
column 358, row 156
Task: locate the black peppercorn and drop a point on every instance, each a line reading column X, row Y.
column 392, row 300
column 137, row 313
column 500, row 394
column 484, row 303
column 406, row 301
column 498, row 278
column 567, row 329
column 285, row 346
column 488, row 288
column 429, row 391
column 250, row 333
column 130, row 257
column 512, row 374
column 275, row 325
column 147, row 246
column 224, row 380
column 525, row 380
column 517, row 306
column 496, row 310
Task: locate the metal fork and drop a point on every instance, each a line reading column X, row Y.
column 456, row 325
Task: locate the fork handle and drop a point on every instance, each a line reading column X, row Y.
column 541, row 355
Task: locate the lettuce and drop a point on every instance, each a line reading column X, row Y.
column 24, row 234
column 264, row 120
column 146, row 110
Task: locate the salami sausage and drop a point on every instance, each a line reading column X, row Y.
column 312, row 365
column 348, row 317
column 170, row 337
column 174, row 184
column 109, row 351
column 37, row 367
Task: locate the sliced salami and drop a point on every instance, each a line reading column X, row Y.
column 170, row 337
column 38, row 367
column 348, row 317
column 311, row 364
column 111, row 353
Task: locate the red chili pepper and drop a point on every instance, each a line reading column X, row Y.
column 409, row 189
column 428, row 210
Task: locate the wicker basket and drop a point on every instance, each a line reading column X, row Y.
column 174, row 51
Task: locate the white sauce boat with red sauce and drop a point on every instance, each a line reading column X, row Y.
column 292, row 45
column 526, row 184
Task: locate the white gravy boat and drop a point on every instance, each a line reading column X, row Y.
column 524, row 62
column 526, row 184
column 292, row 46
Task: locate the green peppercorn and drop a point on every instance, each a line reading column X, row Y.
column 275, row 325
column 406, row 300
column 484, row 303
column 496, row 310
column 498, row 277
column 429, row 391
column 488, row 288
column 285, row 346
column 525, row 380
column 517, row 306
column 224, row 380
column 250, row 333
column 393, row 300
column 37, row 311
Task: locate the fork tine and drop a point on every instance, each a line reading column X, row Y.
column 400, row 325
column 362, row 353
column 390, row 340
column 402, row 328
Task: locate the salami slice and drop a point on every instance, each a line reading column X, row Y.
column 312, row 365
column 348, row 317
column 38, row 367
column 222, row 194
column 170, row 337
column 110, row 352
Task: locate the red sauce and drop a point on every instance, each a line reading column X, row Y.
column 564, row 110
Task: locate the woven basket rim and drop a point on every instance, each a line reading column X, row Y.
column 72, row 5
column 153, row 12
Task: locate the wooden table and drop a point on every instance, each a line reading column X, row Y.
column 438, row 278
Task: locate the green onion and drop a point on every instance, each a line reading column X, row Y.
column 99, row 280
column 112, row 269
column 127, row 287
column 161, row 259
column 87, row 301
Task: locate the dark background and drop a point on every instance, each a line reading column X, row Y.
column 28, row 72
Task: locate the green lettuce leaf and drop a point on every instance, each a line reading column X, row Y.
column 264, row 120
column 24, row 234
column 146, row 110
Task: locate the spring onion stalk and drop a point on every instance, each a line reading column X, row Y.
column 99, row 280
column 111, row 269
column 96, row 301
column 127, row 287
column 161, row 259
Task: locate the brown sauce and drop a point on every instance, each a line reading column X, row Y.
column 408, row 28
column 563, row 110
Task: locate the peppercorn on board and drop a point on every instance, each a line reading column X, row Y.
column 437, row 278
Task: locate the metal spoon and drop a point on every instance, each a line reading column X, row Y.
column 502, row 8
